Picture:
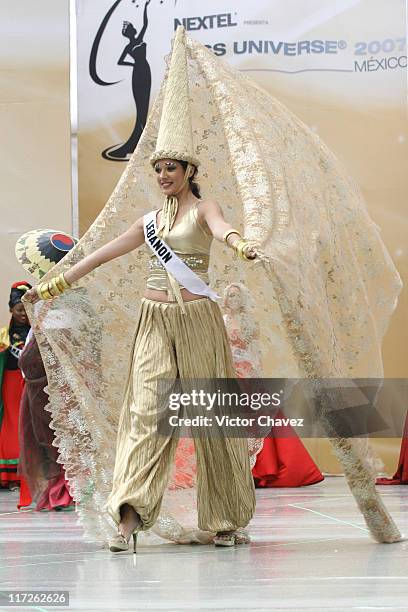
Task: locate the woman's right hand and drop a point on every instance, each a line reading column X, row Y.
column 31, row 296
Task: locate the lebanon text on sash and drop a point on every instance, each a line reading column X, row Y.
column 172, row 262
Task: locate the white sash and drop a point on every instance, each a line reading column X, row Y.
column 168, row 258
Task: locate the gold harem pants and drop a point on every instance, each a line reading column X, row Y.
column 170, row 344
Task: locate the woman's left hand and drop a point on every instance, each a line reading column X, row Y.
column 250, row 251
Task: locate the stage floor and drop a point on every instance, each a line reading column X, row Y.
column 310, row 551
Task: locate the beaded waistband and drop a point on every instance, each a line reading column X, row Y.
column 199, row 261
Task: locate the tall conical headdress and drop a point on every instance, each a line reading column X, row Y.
column 175, row 138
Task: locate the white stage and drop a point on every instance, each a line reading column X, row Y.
column 310, row 551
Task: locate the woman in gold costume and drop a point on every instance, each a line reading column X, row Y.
column 179, row 334
column 321, row 271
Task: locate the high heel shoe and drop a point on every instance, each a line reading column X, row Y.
column 121, row 544
column 231, row 538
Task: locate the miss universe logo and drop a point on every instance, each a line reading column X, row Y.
column 132, row 57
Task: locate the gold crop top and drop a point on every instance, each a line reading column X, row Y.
column 191, row 242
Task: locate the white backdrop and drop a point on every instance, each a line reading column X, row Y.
column 35, row 165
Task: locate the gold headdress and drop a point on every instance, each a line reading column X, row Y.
column 175, row 137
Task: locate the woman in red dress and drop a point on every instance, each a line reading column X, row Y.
column 282, row 461
column 12, row 339
column 401, row 475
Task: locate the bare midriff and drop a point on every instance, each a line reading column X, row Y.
column 161, row 296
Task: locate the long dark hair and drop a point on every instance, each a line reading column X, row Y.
column 195, row 187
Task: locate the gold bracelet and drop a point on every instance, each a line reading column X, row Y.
column 43, row 292
column 241, row 246
column 59, row 285
column 63, row 281
column 40, row 288
column 55, row 289
column 228, row 233
column 56, row 286
column 238, row 248
column 49, row 291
